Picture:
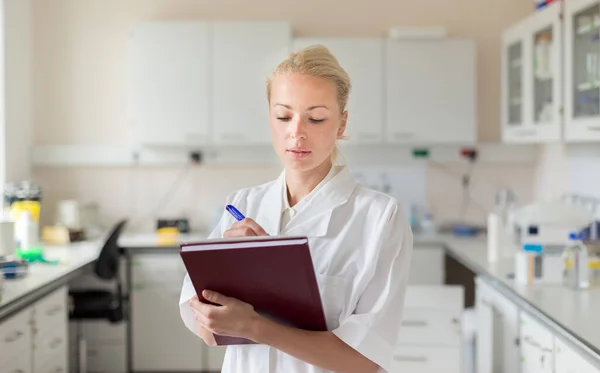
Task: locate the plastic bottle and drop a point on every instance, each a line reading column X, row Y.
column 26, row 231
column 576, row 263
column 428, row 225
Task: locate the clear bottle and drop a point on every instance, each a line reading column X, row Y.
column 575, row 255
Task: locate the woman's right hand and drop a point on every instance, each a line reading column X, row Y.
column 245, row 228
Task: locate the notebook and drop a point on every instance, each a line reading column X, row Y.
column 273, row 274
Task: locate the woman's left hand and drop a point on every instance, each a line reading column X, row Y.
column 233, row 318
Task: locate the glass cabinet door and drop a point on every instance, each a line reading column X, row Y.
column 543, row 77
column 586, row 63
column 515, row 84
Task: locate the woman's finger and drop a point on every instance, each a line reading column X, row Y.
column 258, row 230
column 244, row 231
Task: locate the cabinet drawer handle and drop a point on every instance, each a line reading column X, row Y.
column 530, row 340
column 14, row 337
column 420, row 323
column 414, row 359
column 55, row 343
column 18, row 371
column 54, row 311
column 58, row 370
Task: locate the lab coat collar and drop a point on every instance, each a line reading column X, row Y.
column 313, row 219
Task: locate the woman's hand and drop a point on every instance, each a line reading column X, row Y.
column 245, row 228
column 232, row 318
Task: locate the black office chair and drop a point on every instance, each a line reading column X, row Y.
column 96, row 304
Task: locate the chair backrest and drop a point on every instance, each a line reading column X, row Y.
column 107, row 265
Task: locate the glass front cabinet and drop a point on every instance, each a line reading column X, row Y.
column 582, row 70
column 532, row 99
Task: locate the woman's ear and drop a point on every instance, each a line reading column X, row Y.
column 342, row 127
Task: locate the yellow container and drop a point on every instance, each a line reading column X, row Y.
column 19, row 206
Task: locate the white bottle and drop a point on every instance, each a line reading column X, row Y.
column 496, row 236
column 578, row 278
column 26, row 231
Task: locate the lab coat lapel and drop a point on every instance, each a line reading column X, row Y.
column 314, row 218
column 269, row 211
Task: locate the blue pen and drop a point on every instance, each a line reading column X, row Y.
column 236, row 214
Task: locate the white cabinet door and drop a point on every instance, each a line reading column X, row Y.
column 532, row 96
column 537, row 346
column 18, row 363
column 430, row 87
column 506, row 334
column 362, row 58
column 16, row 336
column 161, row 342
column 171, row 83
column 566, row 360
column 409, row 359
column 485, row 327
column 244, row 54
column 582, row 70
column 427, row 265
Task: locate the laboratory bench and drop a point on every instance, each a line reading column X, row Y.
column 517, row 324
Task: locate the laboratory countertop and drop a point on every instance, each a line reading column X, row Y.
column 573, row 315
column 41, row 279
column 570, row 314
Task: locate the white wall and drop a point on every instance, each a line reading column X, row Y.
column 16, row 109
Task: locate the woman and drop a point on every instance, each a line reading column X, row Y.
column 360, row 241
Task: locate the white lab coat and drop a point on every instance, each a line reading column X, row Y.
column 361, row 245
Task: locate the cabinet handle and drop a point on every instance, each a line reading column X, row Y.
column 18, row 371
column 58, row 370
column 530, row 340
column 517, row 341
column 485, row 303
column 54, row 311
column 55, row 343
column 420, row 323
column 414, row 359
column 14, row 337
column 403, row 135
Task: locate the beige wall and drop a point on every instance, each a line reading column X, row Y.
column 80, row 91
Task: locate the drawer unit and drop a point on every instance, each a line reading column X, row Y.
column 425, row 360
column 424, row 327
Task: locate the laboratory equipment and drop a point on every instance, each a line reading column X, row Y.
column 576, row 276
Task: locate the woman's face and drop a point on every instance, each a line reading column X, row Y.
column 305, row 120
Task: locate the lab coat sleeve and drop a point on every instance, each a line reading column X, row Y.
column 373, row 327
column 188, row 291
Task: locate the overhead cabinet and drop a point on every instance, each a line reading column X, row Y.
column 204, row 83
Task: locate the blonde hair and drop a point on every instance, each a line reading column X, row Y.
column 317, row 61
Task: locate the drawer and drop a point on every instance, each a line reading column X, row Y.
column 450, row 297
column 20, row 364
column 427, row 265
column 535, row 333
column 15, row 336
column 425, row 327
column 103, row 331
column 425, row 360
column 157, row 268
column 57, row 363
column 52, row 348
column 106, row 358
column 50, row 313
column 567, row 360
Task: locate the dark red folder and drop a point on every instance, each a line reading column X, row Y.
column 273, row 274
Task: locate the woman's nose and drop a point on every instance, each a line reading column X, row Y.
column 297, row 128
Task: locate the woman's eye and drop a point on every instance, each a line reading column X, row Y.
column 316, row 120
column 283, row 119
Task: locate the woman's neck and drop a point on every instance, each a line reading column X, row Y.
column 300, row 183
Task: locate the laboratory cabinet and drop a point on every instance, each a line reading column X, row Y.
column 582, row 70
column 362, row 58
column 427, row 265
column 243, row 55
column 566, row 360
column 497, row 342
column 537, row 346
column 532, row 99
column 171, row 96
column 430, row 91
column 430, row 333
column 35, row 340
